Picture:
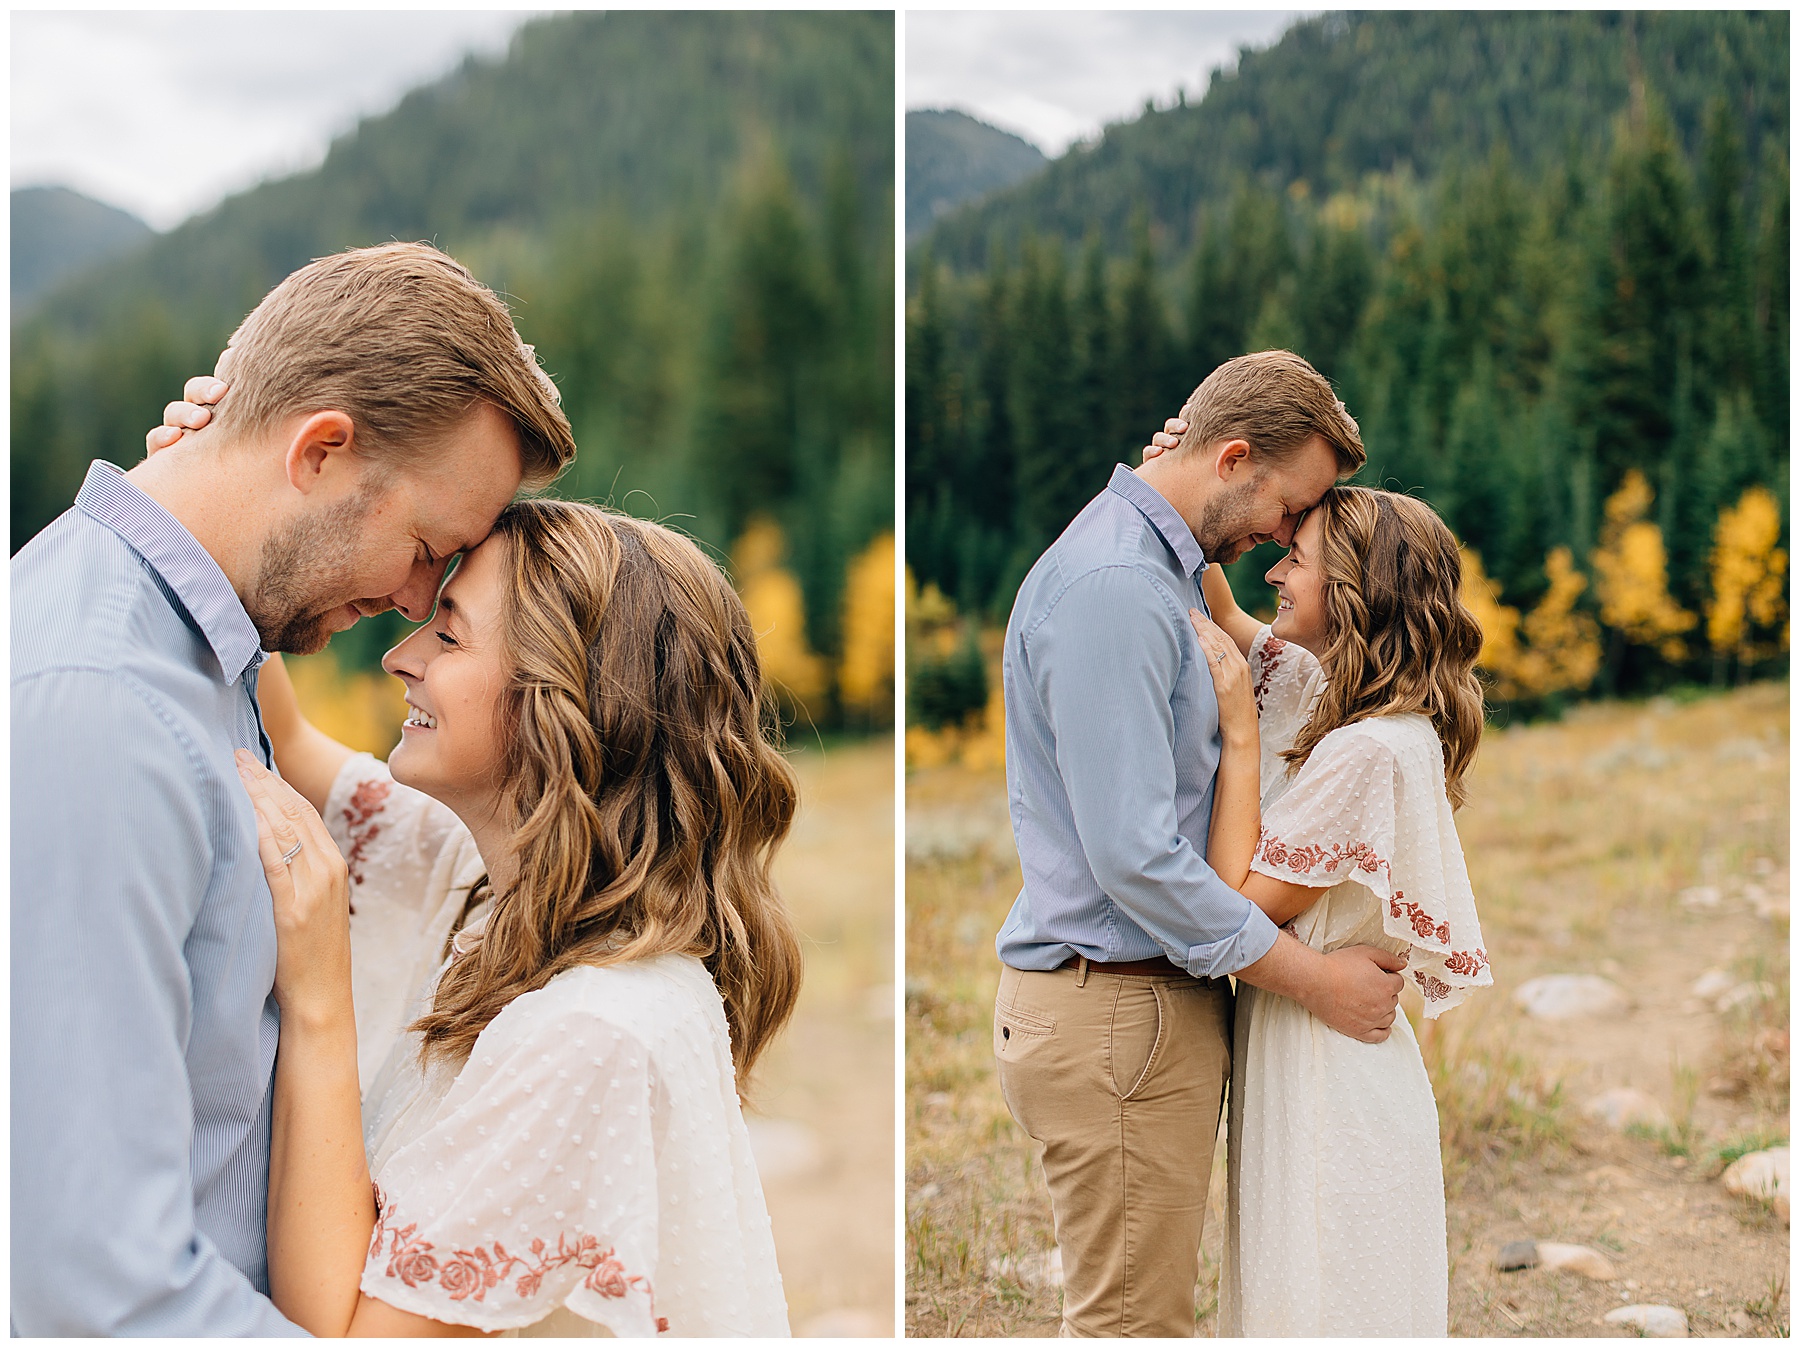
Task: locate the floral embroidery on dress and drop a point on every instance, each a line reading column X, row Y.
column 1436, row 989
column 359, row 816
column 1272, row 649
column 1311, row 856
column 466, row 1274
column 1420, row 919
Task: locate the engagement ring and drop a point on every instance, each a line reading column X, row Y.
column 287, row 857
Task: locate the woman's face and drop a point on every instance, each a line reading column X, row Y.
column 454, row 669
column 1300, row 613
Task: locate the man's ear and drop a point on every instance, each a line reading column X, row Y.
column 1231, row 459
column 321, row 453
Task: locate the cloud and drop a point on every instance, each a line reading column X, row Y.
column 165, row 114
column 1055, row 77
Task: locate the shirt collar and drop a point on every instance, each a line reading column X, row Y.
column 1155, row 507
column 177, row 557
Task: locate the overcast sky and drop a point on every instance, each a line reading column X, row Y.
column 165, row 114
column 1054, row 77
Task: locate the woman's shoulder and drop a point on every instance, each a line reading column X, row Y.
column 1399, row 734
column 656, row 1004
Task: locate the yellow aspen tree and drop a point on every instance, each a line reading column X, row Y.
column 1562, row 645
column 1552, row 649
column 1631, row 571
column 866, row 672
column 1499, row 624
column 777, row 615
column 1748, row 576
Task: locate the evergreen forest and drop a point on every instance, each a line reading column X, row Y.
column 692, row 217
column 1542, row 257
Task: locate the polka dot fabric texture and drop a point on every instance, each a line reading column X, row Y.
column 586, row 1172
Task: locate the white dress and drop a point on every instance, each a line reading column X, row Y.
column 1335, row 1198
column 587, row 1170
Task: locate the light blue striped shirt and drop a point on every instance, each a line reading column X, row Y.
column 1112, row 740
column 143, row 945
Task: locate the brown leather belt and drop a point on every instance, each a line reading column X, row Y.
column 1156, row 968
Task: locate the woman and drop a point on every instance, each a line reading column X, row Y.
column 572, row 840
column 1370, row 713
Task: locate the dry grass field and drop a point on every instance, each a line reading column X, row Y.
column 822, row 1119
column 1644, row 842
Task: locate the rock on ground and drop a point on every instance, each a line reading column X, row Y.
column 1761, row 1174
column 1568, row 996
column 1623, row 1106
column 1582, row 1259
column 1516, row 1255
column 1029, row 1270
column 1653, row 1322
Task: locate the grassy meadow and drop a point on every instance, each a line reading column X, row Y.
column 1646, row 842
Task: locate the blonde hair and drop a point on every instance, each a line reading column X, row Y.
column 1398, row 637
column 406, row 342
column 646, row 793
column 1276, row 401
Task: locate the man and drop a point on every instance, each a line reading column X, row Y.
column 1112, row 1025
column 382, row 413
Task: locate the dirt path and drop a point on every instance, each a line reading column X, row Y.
column 823, row 1126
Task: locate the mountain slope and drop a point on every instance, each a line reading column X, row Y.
column 57, row 232
column 645, row 115
column 952, row 158
column 1346, row 95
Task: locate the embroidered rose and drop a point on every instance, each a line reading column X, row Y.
column 1272, row 649
column 415, row 1265
column 359, row 817
column 607, row 1278
column 468, row 1274
column 1434, row 988
column 1468, row 963
column 461, row 1276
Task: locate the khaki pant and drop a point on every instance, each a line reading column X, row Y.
column 1120, row 1076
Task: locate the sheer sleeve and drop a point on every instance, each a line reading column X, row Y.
column 1368, row 806
column 391, row 835
column 1287, row 680
column 411, row 864
column 534, row 1184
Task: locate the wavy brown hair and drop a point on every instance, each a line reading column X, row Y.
column 645, row 790
column 1398, row 637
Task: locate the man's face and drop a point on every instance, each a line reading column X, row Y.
column 387, row 545
column 1267, row 503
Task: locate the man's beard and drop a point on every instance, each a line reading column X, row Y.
column 306, row 572
column 1227, row 523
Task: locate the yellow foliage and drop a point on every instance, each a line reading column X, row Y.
column 1748, row 572
column 1553, row 649
column 866, row 675
column 1499, row 622
column 927, row 610
column 1562, row 651
column 1632, row 574
column 363, row 710
column 777, row 614
column 934, row 628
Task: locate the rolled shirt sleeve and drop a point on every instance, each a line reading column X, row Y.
column 1104, row 663
column 110, row 864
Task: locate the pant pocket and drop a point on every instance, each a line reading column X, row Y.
column 1135, row 1036
column 1018, row 1032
